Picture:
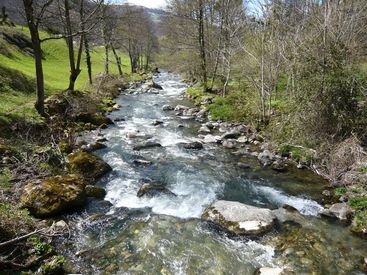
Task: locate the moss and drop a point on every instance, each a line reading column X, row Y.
column 54, row 195
column 93, row 118
column 359, row 203
column 87, row 165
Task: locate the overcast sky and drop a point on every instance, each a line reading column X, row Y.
column 148, row 3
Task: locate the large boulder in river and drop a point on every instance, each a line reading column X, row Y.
column 88, row 165
column 239, row 218
column 153, row 189
column 97, row 119
column 153, row 85
column 340, row 211
column 54, row 195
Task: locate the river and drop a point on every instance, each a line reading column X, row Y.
column 164, row 234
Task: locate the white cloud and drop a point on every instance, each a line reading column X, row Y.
column 149, row 3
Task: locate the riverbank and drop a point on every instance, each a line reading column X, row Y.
column 343, row 164
column 45, row 172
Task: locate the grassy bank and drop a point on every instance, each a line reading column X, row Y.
column 17, row 72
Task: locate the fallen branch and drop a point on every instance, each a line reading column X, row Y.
column 21, row 238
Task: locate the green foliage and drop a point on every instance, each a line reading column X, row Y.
column 233, row 107
column 40, row 247
column 359, row 203
column 297, row 153
column 340, row 191
column 196, row 92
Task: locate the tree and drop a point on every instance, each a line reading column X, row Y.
column 33, row 20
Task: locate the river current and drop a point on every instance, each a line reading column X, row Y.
column 164, row 234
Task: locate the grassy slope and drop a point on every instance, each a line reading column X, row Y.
column 56, row 73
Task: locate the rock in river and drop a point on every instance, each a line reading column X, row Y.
column 88, row 165
column 54, row 195
column 193, row 145
column 340, row 211
column 240, row 218
column 146, row 145
column 153, row 189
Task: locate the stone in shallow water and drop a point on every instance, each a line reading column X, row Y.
column 153, row 189
column 193, row 145
column 146, row 145
column 340, row 211
column 240, row 218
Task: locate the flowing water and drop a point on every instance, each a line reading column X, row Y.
column 164, row 234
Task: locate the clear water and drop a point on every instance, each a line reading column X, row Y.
column 164, row 234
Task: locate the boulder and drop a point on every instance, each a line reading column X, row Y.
column 279, row 166
column 230, row 144
column 201, row 113
column 97, row 119
column 193, row 145
column 212, row 139
column 242, row 139
column 119, row 119
column 231, row 135
column 243, row 165
column 142, row 162
column 157, row 122
column 266, row 158
column 239, row 218
column 204, row 130
column 95, row 192
column 340, row 211
column 88, row 165
column 146, row 145
column 180, row 108
column 154, row 85
column 54, row 195
column 153, row 189
column 167, row 108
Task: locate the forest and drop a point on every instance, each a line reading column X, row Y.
column 197, row 137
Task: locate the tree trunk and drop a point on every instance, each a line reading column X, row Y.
column 88, row 59
column 36, row 43
column 118, row 60
column 202, row 44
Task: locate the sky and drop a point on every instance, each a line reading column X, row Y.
column 147, row 3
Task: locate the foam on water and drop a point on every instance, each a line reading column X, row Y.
column 304, row 205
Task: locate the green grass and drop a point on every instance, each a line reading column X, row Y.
column 359, row 203
column 56, row 73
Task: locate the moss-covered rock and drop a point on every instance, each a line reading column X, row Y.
column 88, row 165
column 54, row 195
column 95, row 192
column 97, row 119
